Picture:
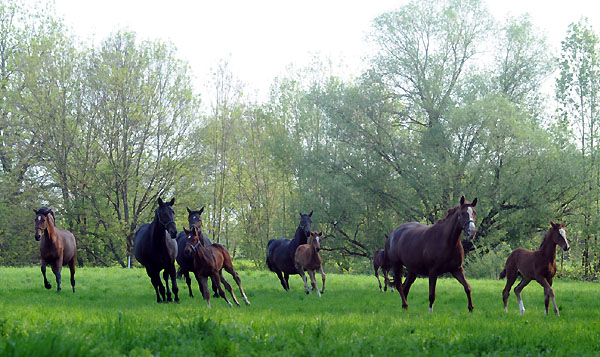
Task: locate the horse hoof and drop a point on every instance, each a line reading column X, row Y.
column 48, row 286
column 307, row 292
column 404, row 307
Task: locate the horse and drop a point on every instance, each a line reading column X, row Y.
column 307, row 258
column 186, row 263
column 155, row 248
column 539, row 265
column 379, row 261
column 57, row 247
column 210, row 261
column 431, row 250
column 280, row 252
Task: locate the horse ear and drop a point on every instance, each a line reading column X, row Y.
column 186, row 231
column 171, row 202
column 474, row 203
column 300, row 213
column 34, row 210
column 188, row 209
column 553, row 224
column 160, row 201
column 201, row 209
column 320, row 233
column 310, row 214
column 462, row 200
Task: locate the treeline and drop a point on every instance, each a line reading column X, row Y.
column 451, row 103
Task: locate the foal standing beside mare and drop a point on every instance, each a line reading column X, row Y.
column 280, row 252
column 186, row 262
column 307, row 258
column 209, row 261
column 57, row 247
column 432, row 250
column 379, row 261
column 539, row 265
column 155, row 248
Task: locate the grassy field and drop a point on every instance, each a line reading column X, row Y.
column 114, row 312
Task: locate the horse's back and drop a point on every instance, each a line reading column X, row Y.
column 69, row 244
column 279, row 257
column 139, row 241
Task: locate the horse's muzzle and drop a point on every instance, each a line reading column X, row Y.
column 37, row 236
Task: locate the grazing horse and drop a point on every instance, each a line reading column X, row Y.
column 379, row 261
column 539, row 265
column 186, row 262
column 431, row 250
column 57, row 247
column 155, row 248
column 307, row 258
column 210, row 261
column 280, row 252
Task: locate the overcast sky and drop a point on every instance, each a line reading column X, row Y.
column 261, row 38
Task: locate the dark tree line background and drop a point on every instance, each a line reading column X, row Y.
column 451, row 103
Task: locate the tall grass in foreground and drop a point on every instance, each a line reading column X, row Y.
column 114, row 312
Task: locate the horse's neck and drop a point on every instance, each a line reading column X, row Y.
column 158, row 232
column 548, row 248
column 451, row 230
column 51, row 230
column 298, row 238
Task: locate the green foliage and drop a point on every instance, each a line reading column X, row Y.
column 114, row 312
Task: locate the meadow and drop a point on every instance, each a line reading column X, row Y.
column 114, row 312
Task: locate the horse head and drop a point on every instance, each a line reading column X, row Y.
column 194, row 218
column 467, row 216
column 559, row 235
column 41, row 221
column 315, row 240
column 165, row 215
column 192, row 240
column 305, row 223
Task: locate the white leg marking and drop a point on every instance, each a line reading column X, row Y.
column 521, row 307
column 431, row 309
column 555, row 308
column 505, row 309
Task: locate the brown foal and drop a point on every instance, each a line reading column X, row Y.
column 307, row 258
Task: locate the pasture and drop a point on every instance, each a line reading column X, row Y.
column 114, row 312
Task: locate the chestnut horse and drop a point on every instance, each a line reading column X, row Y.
column 186, row 263
column 280, row 252
column 209, row 261
column 57, row 247
column 379, row 261
column 431, row 250
column 539, row 265
column 307, row 258
column 155, row 248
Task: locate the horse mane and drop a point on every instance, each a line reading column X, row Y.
column 546, row 236
column 450, row 212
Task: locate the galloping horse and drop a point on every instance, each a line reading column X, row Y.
column 280, row 252
column 379, row 261
column 155, row 249
column 539, row 265
column 431, row 250
column 210, row 261
column 57, row 247
column 186, row 262
column 307, row 258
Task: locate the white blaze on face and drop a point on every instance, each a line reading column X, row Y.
column 564, row 235
column 472, row 227
column 39, row 218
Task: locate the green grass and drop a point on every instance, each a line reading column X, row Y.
column 114, row 312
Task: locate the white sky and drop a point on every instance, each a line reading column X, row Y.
column 261, row 38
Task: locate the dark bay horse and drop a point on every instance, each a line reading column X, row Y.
column 431, row 250
column 57, row 247
column 539, row 265
column 209, row 261
column 379, row 261
column 186, row 262
column 155, row 249
column 280, row 252
column 307, row 258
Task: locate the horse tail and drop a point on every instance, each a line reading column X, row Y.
column 502, row 274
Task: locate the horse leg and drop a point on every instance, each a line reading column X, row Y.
column 410, row 279
column 215, row 288
column 548, row 293
column 228, row 287
column 303, row 276
column 281, row 280
column 72, row 270
column 215, row 277
column 286, row 276
column 398, row 281
column 56, row 269
column 460, row 276
column 510, row 280
column 432, row 282
column 166, row 279
column 313, row 281
column 157, row 284
column 322, row 277
column 47, row 284
column 386, row 280
column 203, row 288
column 518, row 289
column 188, row 281
column 238, row 281
column 174, row 287
column 379, row 281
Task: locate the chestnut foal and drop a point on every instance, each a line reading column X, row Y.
column 209, row 261
column 307, row 258
column 539, row 265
